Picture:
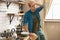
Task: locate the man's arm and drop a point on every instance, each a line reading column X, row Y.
column 26, row 28
column 25, row 22
column 41, row 6
column 38, row 4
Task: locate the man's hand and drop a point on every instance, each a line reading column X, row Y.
column 32, row 36
column 36, row 3
column 26, row 28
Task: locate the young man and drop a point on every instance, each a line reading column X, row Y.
column 32, row 19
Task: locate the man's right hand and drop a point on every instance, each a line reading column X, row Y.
column 32, row 36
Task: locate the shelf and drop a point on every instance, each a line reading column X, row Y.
column 19, row 14
column 10, row 14
column 21, row 3
column 18, row 31
column 18, row 28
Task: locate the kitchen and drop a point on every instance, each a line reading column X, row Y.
column 11, row 20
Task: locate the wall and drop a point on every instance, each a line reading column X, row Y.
column 4, row 19
column 52, row 29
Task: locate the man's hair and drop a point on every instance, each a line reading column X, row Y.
column 29, row 4
column 31, row 1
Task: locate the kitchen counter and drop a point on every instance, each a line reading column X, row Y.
column 10, row 38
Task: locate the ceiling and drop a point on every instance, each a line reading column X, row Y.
column 12, row 0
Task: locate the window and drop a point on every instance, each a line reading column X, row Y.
column 54, row 11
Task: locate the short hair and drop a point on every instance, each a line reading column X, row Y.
column 29, row 4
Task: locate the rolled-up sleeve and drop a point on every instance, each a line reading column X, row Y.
column 40, row 8
column 25, row 20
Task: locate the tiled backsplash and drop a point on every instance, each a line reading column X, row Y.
column 4, row 19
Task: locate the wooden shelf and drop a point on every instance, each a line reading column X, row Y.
column 18, row 28
column 19, row 14
column 21, row 3
column 10, row 14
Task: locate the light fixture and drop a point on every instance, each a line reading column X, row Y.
column 8, row 3
column 11, row 16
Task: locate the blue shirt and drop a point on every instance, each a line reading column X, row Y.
column 28, row 17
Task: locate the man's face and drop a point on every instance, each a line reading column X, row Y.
column 32, row 7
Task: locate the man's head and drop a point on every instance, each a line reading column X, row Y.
column 32, row 6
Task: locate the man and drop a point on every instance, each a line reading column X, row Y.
column 32, row 20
